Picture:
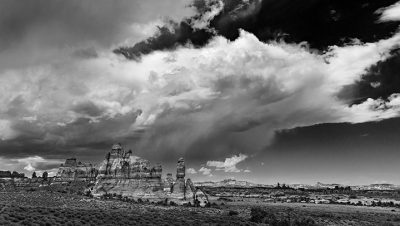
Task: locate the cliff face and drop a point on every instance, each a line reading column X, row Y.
column 123, row 174
column 130, row 176
column 119, row 164
column 72, row 170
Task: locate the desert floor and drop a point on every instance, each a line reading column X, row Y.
column 53, row 208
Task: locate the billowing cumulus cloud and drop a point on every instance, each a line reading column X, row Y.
column 391, row 13
column 191, row 171
column 205, row 171
column 229, row 165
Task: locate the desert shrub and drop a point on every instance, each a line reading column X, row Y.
column 257, row 215
column 387, row 224
column 396, row 219
column 233, row 213
column 140, row 200
column 160, row 203
column 88, row 193
column 31, row 189
column 187, row 204
column 305, row 222
column 172, row 203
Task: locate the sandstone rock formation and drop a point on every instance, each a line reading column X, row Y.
column 168, row 183
column 123, row 174
column 200, row 198
column 179, row 187
column 8, row 174
column 126, row 175
column 72, row 170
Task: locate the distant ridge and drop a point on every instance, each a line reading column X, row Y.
column 318, row 185
column 229, row 183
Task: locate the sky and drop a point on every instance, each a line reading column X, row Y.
column 260, row 90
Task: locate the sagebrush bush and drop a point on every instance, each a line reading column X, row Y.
column 233, row 213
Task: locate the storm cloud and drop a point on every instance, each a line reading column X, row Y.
column 218, row 83
column 319, row 23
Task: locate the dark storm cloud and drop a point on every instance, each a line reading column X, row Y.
column 81, row 137
column 167, row 38
column 380, row 81
column 321, row 23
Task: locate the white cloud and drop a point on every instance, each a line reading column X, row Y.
column 229, row 165
column 391, row 13
column 376, row 109
column 205, row 171
column 191, row 171
column 29, row 167
column 203, row 22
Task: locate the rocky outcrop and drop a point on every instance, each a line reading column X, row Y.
column 179, row 186
column 72, row 170
column 123, row 174
column 130, row 176
column 200, row 198
column 168, row 183
column 8, row 174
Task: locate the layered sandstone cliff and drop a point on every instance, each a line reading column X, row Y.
column 72, row 170
column 126, row 175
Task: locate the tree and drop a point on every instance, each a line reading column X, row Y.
column 34, row 175
column 45, row 175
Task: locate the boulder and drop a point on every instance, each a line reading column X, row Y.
column 201, row 198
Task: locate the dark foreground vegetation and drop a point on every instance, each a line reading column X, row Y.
column 64, row 207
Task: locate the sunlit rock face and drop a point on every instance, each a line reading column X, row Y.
column 126, row 175
column 168, row 183
column 119, row 164
column 72, row 170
